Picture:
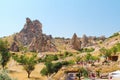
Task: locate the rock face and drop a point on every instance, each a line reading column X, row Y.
column 32, row 37
column 76, row 43
column 14, row 47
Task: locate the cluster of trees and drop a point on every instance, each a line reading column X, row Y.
column 51, row 68
column 87, row 58
column 110, row 52
column 29, row 62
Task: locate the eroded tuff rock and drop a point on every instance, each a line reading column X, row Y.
column 76, row 43
column 32, row 37
column 14, row 47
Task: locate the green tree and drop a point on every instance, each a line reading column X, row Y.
column 114, row 50
column 27, row 62
column 4, row 52
column 57, row 66
column 105, row 52
column 50, row 68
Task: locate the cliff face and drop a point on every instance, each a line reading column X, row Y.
column 32, row 37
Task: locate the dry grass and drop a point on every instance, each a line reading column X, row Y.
column 17, row 71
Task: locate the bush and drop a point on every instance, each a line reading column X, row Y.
column 50, row 68
column 50, row 58
column 65, row 63
column 4, row 75
column 115, row 34
column 71, row 62
column 44, row 71
column 67, row 54
column 88, row 50
column 57, row 66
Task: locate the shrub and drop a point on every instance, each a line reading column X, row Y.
column 67, row 54
column 4, row 75
column 50, row 68
column 115, row 34
column 50, row 58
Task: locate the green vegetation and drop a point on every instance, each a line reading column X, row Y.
column 67, row 54
column 87, row 50
column 49, row 58
column 82, row 72
column 4, row 75
column 114, row 35
column 89, row 57
column 4, row 52
column 105, row 52
column 50, row 68
column 27, row 62
column 110, row 52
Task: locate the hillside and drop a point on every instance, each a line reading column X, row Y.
column 67, row 54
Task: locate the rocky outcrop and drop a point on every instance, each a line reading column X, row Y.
column 85, row 41
column 14, row 47
column 76, row 43
column 45, row 42
column 32, row 37
column 29, row 32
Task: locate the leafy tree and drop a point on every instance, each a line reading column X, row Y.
column 57, row 66
column 50, row 68
column 114, row 50
column 105, row 52
column 4, row 52
column 27, row 62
